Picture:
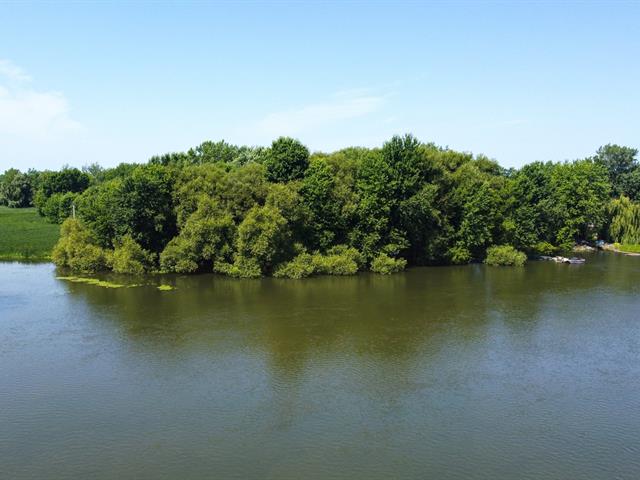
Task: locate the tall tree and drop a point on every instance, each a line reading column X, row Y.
column 286, row 160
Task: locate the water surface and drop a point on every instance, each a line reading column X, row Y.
column 446, row 373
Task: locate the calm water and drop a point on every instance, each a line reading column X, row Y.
column 443, row 373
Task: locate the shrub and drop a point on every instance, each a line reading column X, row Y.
column 300, row 267
column 505, row 255
column 384, row 264
column 263, row 237
column 77, row 250
column 206, row 238
column 339, row 260
column 287, row 160
column 58, row 207
column 90, row 258
column 242, row 267
column 459, row 255
column 178, row 257
column 130, row 257
column 544, row 248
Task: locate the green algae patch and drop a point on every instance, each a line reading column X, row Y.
column 165, row 288
column 97, row 282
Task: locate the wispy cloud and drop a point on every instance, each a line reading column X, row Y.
column 339, row 107
column 13, row 72
column 28, row 114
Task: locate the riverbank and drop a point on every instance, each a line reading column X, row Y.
column 626, row 249
column 24, row 235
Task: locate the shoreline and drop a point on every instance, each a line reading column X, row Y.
column 610, row 247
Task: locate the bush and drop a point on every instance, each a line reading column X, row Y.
column 90, row 258
column 339, row 260
column 58, row 207
column 242, row 267
column 263, row 237
column 77, row 250
column 300, row 267
column 505, row 255
column 130, row 257
column 544, row 248
column 384, row 264
column 206, row 238
column 459, row 255
column 286, row 160
column 16, row 189
column 179, row 257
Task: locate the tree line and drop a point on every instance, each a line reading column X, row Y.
column 281, row 211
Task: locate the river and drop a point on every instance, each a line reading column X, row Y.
column 468, row 372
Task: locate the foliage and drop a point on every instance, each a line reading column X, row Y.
column 129, row 257
column 578, row 201
column 528, row 221
column 253, row 211
column 206, row 239
column 625, row 221
column 505, row 255
column 57, row 207
column 339, row 260
column 286, row 160
column 544, row 248
column 242, row 267
column 140, row 204
column 301, row 266
column 264, row 238
column 384, row 264
column 620, row 163
column 77, row 249
column 459, row 255
column 66, row 180
column 16, row 188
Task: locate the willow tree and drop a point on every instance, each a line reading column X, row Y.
column 625, row 221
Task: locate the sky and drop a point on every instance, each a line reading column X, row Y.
column 113, row 82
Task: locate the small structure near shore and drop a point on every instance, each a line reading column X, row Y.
column 559, row 259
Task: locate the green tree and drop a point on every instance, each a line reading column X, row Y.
column 625, row 221
column 629, row 184
column 619, row 162
column 264, row 238
column 16, row 189
column 77, row 250
column 130, row 257
column 66, row 180
column 205, row 241
column 579, row 197
column 139, row 204
column 286, row 160
column 528, row 202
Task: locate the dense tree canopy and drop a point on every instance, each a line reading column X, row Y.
column 286, row 160
column 252, row 211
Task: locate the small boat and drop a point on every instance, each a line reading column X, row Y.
column 559, row 259
column 575, row 260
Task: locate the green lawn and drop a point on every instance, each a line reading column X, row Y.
column 627, row 248
column 24, row 235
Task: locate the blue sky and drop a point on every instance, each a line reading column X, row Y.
column 83, row 83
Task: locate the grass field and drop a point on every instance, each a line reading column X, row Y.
column 24, row 235
column 627, row 248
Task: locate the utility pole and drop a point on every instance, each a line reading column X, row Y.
column 73, row 210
